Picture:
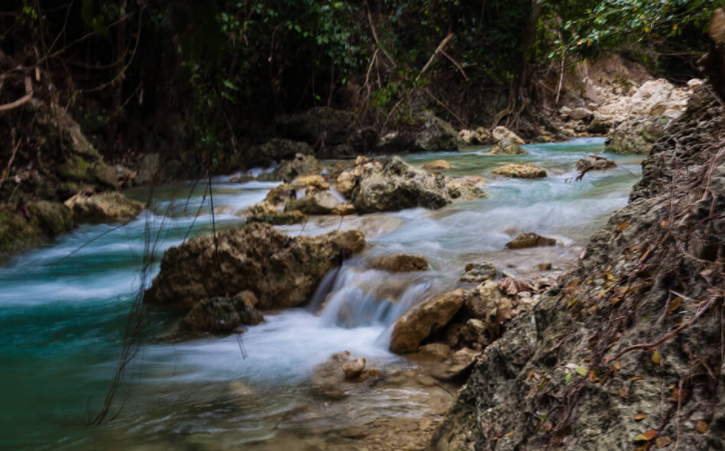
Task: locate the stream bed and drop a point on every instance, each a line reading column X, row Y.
column 64, row 309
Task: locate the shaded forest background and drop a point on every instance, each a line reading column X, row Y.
column 207, row 78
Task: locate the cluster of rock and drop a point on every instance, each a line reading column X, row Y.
column 255, row 266
column 332, row 378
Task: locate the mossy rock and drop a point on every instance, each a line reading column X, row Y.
column 110, row 206
column 47, row 220
column 221, row 315
column 279, row 218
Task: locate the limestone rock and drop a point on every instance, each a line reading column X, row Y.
column 464, row 356
column 421, row 320
column 344, row 209
column 264, row 207
column 501, row 133
column 282, row 271
column 395, row 185
column 520, row 170
column 354, row 368
column 437, row 165
column 476, row 137
column 345, row 183
column 279, row 195
column 579, row 114
column 429, row 134
column 316, row 182
column 221, row 315
column 479, row 272
column 332, row 377
column 278, row 217
column 110, row 206
column 530, row 239
column 474, row 332
column 475, row 180
column 636, row 136
column 321, row 203
column 299, row 166
column 46, row 221
column 400, row 263
column 594, row 163
column 506, row 148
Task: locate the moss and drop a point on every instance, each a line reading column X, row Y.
column 47, row 221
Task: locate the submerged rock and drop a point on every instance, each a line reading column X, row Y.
column 321, row 203
column 395, row 185
column 520, row 170
column 354, row 368
column 594, row 163
column 501, row 133
column 475, row 180
column 110, row 206
column 421, row 320
column 221, row 315
column 282, row 271
column 636, row 136
column 506, row 148
column 334, row 377
column 437, row 165
column 400, row 263
column 439, row 350
column 530, row 239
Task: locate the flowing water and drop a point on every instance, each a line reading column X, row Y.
column 63, row 311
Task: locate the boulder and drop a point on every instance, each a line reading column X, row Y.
column 264, row 207
column 354, row 368
column 299, row 166
column 464, row 356
column 109, row 206
column 221, row 315
column 479, row 272
column 530, row 239
column 345, row 183
column 437, row 165
column 475, row 333
column 344, row 209
column 279, row 195
column 274, row 151
column 476, row 137
column 430, row 134
column 636, row 136
column 282, row 271
column 653, row 98
column 312, row 182
column 520, row 170
column 321, row 203
column 400, row 263
column 506, row 148
column 333, row 377
column 492, row 308
column 423, row 319
column 394, row 185
column 594, row 163
column 438, row 350
column 317, row 125
column 501, row 133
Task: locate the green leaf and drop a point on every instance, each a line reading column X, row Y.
column 568, row 378
column 582, row 371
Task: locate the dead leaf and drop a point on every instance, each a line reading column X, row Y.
column 645, row 255
column 548, row 426
column 636, row 378
column 664, row 224
column 617, row 365
column 675, row 303
column 623, row 392
column 702, row 427
column 647, row 436
column 511, row 286
column 639, row 417
column 656, row 357
column 573, row 283
column 620, row 228
column 615, row 300
column 663, row 441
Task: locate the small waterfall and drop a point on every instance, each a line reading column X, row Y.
column 361, row 298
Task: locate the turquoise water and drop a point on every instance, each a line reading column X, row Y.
column 64, row 308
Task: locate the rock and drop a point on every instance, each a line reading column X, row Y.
column 544, row 266
column 394, row 185
column 438, row 350
column 109, row 206
column 579, row 114
column 344, row 209
column 598, row 126
column 501, row 133
column 529, row 239
column 519, row 170
column 354, row 368
column 148, row 167
column 653, row 98
column 279, row 195
column 46, row 220
column 594, row 163
column 636, row 136
column 429, row 134
column 315, row 182
column 421, row 320
column 475, row 180
column 322, row 203
column 506, row 148
column 476, row 137
column 453, row 334
column 299, row 166
column 278, row 217
column 264, row 207
column 221, row 315
column 346, row 183
column 282, row 271
column 490, row 306
column 274, row 151
column 479, row 272
column 475, row 332
column 437, row 165
column 323, row 125
column 695, row 83
column 400, row 263
column 464, row 356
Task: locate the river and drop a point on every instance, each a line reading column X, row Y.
column 63, row 311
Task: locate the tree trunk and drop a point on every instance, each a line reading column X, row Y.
column 118, row 83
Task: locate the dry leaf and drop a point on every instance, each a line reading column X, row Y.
column 664, row 224
column 639, row 417
column 512, row 286
column 675, row 303
column 636, row 378
column 701, row 427
column 663, row 441
column 645, row 255
column 647, row 436
column 620, row 228
column 617, row 365
column 548, row 426
column 656, row 357
column 623, row 392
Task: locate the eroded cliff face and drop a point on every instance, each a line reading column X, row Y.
column 627, row 351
